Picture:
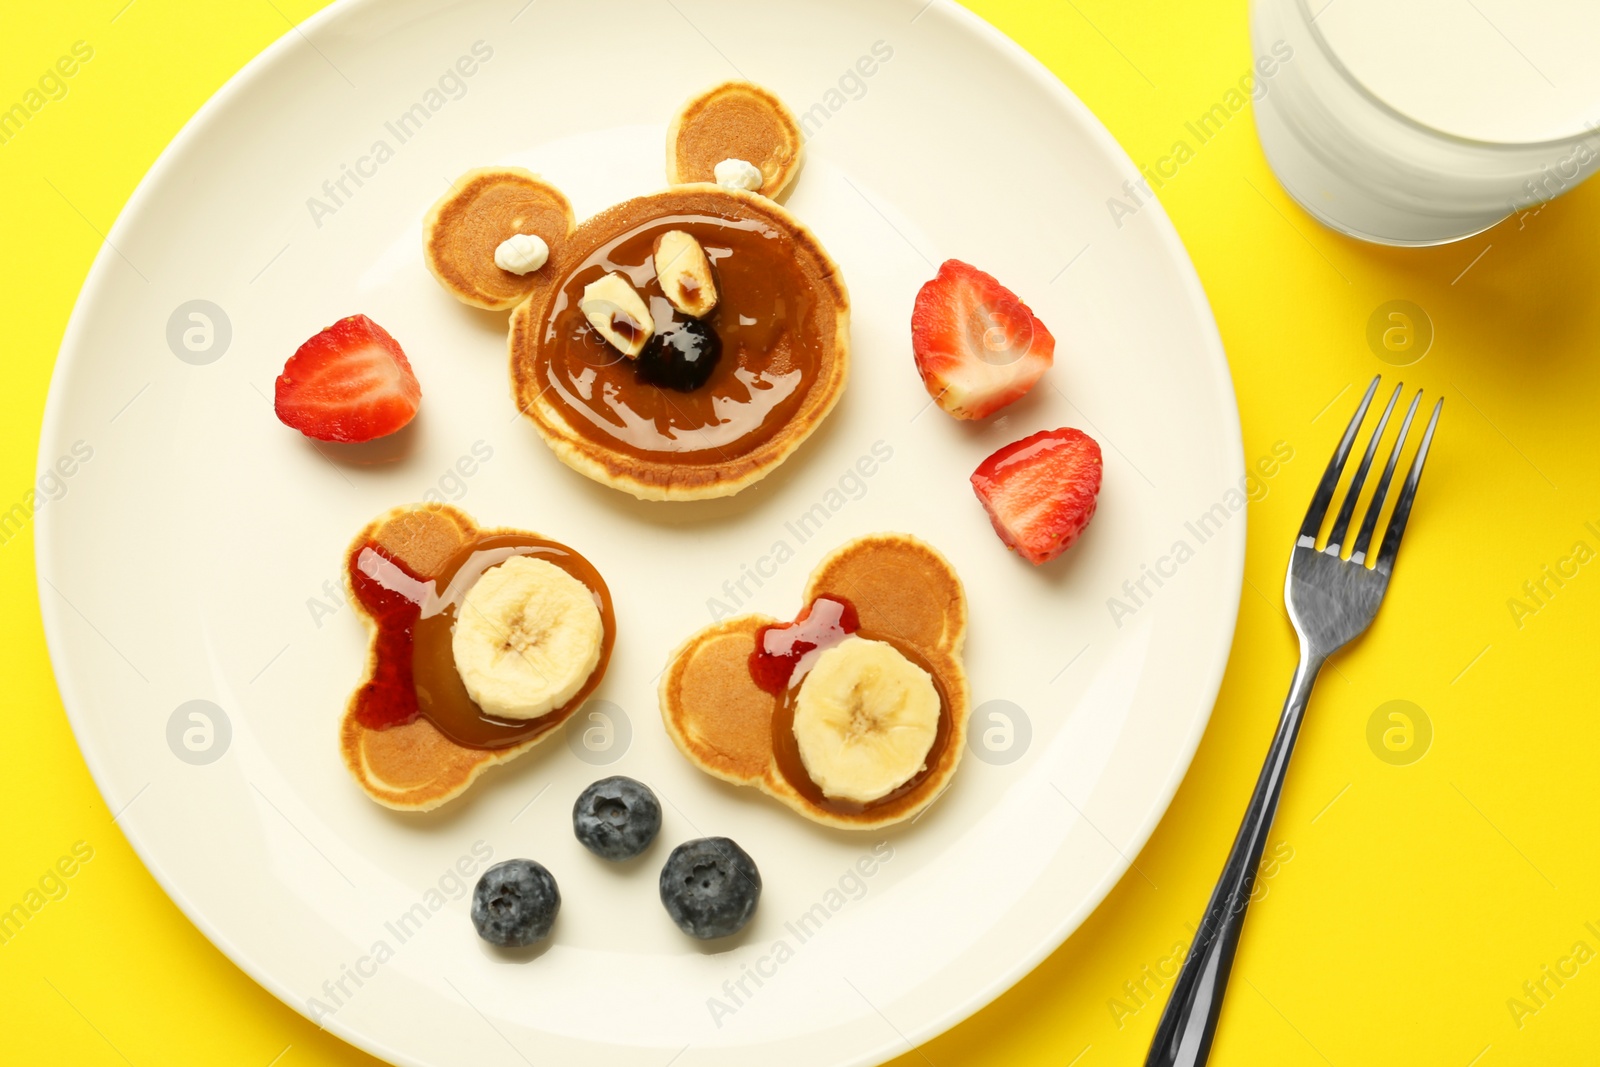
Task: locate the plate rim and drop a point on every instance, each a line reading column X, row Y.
column 1231, row 564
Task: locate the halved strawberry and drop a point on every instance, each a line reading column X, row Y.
column 1041, row 491
column 978, row 347
column 351, row 382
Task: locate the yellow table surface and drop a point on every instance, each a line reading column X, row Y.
column 1412, row 898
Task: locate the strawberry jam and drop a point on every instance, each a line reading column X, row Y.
column 785, row 651
column 393, row 597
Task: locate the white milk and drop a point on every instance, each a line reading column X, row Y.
column 1424, row 121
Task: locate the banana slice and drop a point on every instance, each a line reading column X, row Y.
column 526, row 638
column 616, row 309
column 685, row 274
column 865, row 719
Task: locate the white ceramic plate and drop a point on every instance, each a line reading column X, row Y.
column 194, row 554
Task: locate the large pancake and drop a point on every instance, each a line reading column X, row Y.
column 734, row 120
column 681, row 476
column 415, row 767
column 721, row 720
column 483, row 208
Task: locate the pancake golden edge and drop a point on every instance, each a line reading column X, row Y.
column 780, row 161
column 452, row 241
column 415, row 767
column 664, row 479
column 902, row 588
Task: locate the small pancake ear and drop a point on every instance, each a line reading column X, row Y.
column 421, row 537
column 713, row 709
column 735, row 120
column 412, row 767
column 901, row 587
column 483, row 208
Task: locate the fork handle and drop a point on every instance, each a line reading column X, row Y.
column 1189, row 1021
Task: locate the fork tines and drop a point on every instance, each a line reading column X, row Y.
column 1390, row 546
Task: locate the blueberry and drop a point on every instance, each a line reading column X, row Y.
column 710, row 887
column 515, row 903
column 680, row 357
column 616, row 818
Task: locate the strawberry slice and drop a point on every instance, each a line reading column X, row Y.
column 351, row 382
column 1041, row 491
column 978, row 347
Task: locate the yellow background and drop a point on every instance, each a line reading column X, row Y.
column 1417, row 898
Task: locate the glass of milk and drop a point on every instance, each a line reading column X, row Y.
column 1417, row 122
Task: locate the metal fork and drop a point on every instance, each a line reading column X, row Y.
column 1331, row 602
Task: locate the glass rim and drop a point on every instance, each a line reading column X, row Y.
column 1568, row 141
